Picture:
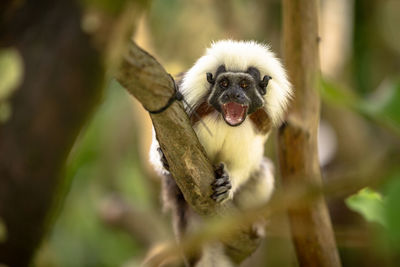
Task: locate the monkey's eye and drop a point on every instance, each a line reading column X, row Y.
column 244, row 84
column 224, row 83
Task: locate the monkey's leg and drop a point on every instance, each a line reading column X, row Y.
column 183, row 218
column 173, row 199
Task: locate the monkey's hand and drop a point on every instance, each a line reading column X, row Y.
column 221, row 186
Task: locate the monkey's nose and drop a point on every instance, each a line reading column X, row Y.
column 237, row 96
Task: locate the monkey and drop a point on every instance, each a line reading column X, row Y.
column 239, row 91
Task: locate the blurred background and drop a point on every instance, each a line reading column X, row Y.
column 112, row 213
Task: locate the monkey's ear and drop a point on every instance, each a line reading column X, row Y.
column 210, row 78
column 263, row 84
column 254, row 72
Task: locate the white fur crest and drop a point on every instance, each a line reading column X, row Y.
column 239, row 56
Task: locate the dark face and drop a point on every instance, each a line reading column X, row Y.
column 236, row 94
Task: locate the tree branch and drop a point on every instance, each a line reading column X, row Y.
column 147, row 80
column 283, row 199
column 146, row 227
column 310, row 224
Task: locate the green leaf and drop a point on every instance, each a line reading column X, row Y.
column 382, row 107
column 11, row 70
column 3, row 231
column 331, row 92
column 385, row 104
column 392, row 211
column 369, row 204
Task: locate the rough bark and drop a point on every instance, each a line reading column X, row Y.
column 59, row 89
column 310, row 223
column 146, row 79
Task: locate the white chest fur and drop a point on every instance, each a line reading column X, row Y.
column 240, row 147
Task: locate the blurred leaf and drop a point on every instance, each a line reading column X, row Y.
column 104, row 161
column 369, row 204
column 11, row 65
column 3, row 231
column 337, row 95
column 5, row 111
column 386, row 103
column 385, row 211
column 392, row 211
column 110, row 6
column 382, row 108
column 113, row 7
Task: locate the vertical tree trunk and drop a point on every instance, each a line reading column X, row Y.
column 298, row 153
column 61, row 85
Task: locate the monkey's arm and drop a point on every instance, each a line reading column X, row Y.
column 258, row 189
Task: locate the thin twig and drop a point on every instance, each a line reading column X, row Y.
column 289, row 197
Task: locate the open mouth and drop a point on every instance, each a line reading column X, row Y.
column 234, row 113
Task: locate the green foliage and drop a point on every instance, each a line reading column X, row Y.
column 104, row 161
column 332, row 93
column 3, row 231
column 392, row 211
column 369, row 204
column 11, row 72
column 383, row 108
column 382, row 210
column 112, row 7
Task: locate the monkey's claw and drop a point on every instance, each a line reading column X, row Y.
column 221, row 186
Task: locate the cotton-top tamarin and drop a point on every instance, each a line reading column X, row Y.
column 239, row 91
